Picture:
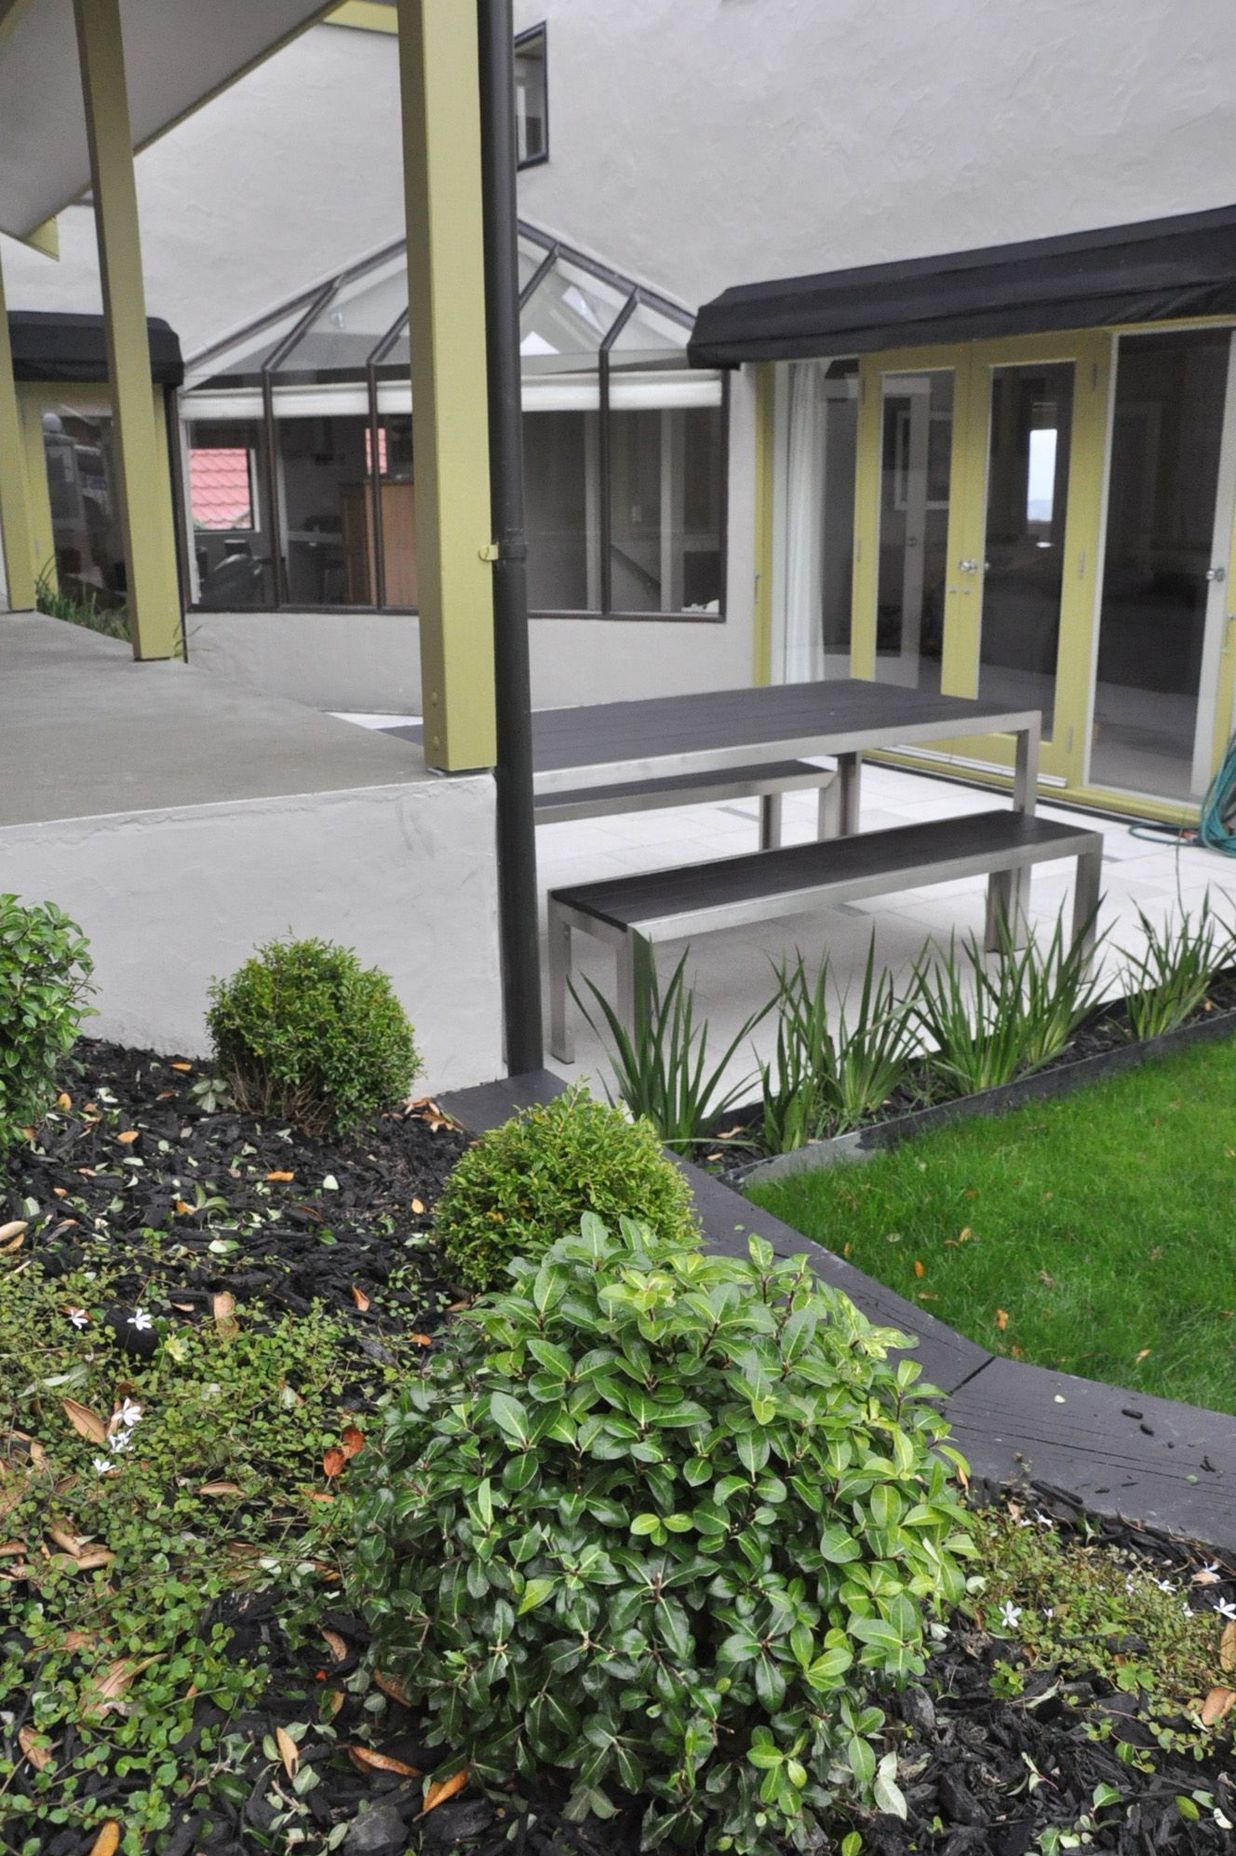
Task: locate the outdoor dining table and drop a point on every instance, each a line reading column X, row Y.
column 657, row 737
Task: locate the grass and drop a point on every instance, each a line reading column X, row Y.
column 1094, row 1234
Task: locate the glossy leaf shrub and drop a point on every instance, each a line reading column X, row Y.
column 304, row 1031
column 662, row 1524
column 530, row 1181
column 45, row 969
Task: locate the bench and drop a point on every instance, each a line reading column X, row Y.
column 632, row 913
column 766, row 783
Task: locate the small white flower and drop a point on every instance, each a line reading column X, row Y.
column 119, row 1440
column 103, row 1465
column 1165, row 1585
column 1049, row 1612
column 1226, row 1609
column 130, row 1412
column 79, row 1317
column 1023, row 1520
column 1044, row 1520
column 1010, row 1615
column 140, row 1320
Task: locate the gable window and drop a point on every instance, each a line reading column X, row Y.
column 531, row 98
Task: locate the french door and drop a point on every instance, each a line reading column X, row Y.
column 977, row 528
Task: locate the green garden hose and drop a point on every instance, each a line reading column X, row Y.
column 1216, row 827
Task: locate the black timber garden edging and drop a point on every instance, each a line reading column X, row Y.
column 1150, row 1462
column 1043, row 1086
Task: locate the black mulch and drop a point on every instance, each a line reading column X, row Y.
column 158, row 1183
column 983, row 1775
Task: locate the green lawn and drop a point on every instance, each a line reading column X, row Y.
column 1096, row 1233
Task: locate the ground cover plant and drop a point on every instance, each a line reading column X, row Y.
column 1092, row 1233
column 304, row 1031
column 529, row 1182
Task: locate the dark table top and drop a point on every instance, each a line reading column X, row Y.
column 660, row 735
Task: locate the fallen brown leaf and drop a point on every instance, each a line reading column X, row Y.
column 423, row 1340
column 221, row 1488
column 1218, row 1705
column 360, row 1298
column 182, row 1209
column 64, row 1102
column 108, row 1840
column 92, row 1559
column 70, row 1542
column 107, row 1692
column 28, row 1741
column 79, row 1640
column 336, row 1645
column 920, row 1268
column 395, row 1689
column 352, row 1442
column 418, row 1206
column 128, row 1137
column 289, row 1752
column 180, row 1066
column 1204, row 1576
column 85, row 1422
column 443, row 1789
column 12, row 1233
column 1002, row 1319
column 223, row 1308
column 332, row 1462
column 366, row 1760
column 283, row 1178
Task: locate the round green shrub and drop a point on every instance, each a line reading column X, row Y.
column 45, row 969
column 529, row 1182
column 303, row 1031
column 661, row 1523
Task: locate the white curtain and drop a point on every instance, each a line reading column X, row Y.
column 802, row 634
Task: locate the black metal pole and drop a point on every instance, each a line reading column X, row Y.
column 517, row 886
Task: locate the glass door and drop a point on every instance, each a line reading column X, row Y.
column 1156, row 727
column 907, row 525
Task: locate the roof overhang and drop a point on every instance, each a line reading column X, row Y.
column 1161, row 270
column 55, row 345
column 178, row 54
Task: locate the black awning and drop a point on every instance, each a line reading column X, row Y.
column 48, row 345
column 1163, row 269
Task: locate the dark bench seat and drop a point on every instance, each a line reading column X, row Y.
column 766, row 783
column 632, row 913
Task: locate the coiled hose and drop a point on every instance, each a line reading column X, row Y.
column 1216, row 827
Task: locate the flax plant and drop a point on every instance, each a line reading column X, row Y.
column 661, row 1066
column 1167, row 982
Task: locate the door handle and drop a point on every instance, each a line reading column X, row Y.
column 1218, row 574
column 968, row 566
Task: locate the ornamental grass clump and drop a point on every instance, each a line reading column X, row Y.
column 305, row 1032
column 45, row 969
column 529, row 1182
column 661, row 1525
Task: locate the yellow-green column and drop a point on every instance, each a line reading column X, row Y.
column 16, row 532
column 145, row 508
column 446, row 303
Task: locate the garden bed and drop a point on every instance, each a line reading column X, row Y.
column 1102, row 1047
column 251, row 1294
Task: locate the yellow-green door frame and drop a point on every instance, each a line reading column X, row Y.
column 971, row 366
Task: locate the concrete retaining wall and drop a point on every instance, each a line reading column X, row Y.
column 170, row 898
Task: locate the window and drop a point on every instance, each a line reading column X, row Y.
column 300, row 468
column 85, row 514
column 531, row 99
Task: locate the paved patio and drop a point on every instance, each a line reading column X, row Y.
column 732, row 971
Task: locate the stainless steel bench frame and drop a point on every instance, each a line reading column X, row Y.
column 1007, row 908
column 837, row 790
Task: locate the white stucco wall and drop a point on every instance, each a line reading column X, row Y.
column 171, row 898
column 713, row 142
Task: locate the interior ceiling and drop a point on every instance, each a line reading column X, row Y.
column 177, row 53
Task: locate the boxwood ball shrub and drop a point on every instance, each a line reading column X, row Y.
column 529, row 1182
column 45, row 969
column 304, row 1031
column 661, row 1524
